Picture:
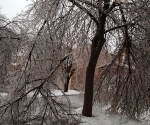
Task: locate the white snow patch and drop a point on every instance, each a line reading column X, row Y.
column 101, row 118
column 70, row 92
column 58, row 93
column 3, row 94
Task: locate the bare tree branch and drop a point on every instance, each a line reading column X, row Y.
column 85, row 10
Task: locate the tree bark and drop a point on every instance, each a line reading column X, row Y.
column 66, row 84
column 97, row 44
column 88, row 96
column 69, row 72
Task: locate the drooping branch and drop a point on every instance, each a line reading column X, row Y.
column 39, row 32
column 17, row 38
column 85, row 10
column 127, row 39
column 118, row 27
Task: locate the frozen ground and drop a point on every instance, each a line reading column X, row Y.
column 99, row 115
column 101, row 118
column 70, row 92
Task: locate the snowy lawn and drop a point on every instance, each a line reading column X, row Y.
column 101, row 118
column 99, row 115
column 70, row 92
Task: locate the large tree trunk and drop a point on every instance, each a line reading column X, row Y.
column 97, row 44
column 88, row 96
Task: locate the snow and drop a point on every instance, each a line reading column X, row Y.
column 3, row 94
column 70, row 92
column 100, row 117
column 57, row 93
column 54, row 93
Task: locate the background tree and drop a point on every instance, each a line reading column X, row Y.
column 96, row 21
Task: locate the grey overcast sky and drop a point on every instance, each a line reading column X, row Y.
column 10, row 8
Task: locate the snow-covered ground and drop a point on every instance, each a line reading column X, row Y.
column 99, row 115
column 101, row 118
column 70, row 92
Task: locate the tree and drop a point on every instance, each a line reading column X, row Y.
column 107, row 19
column 69, row 72
column 88, row 18
column 77, row 22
